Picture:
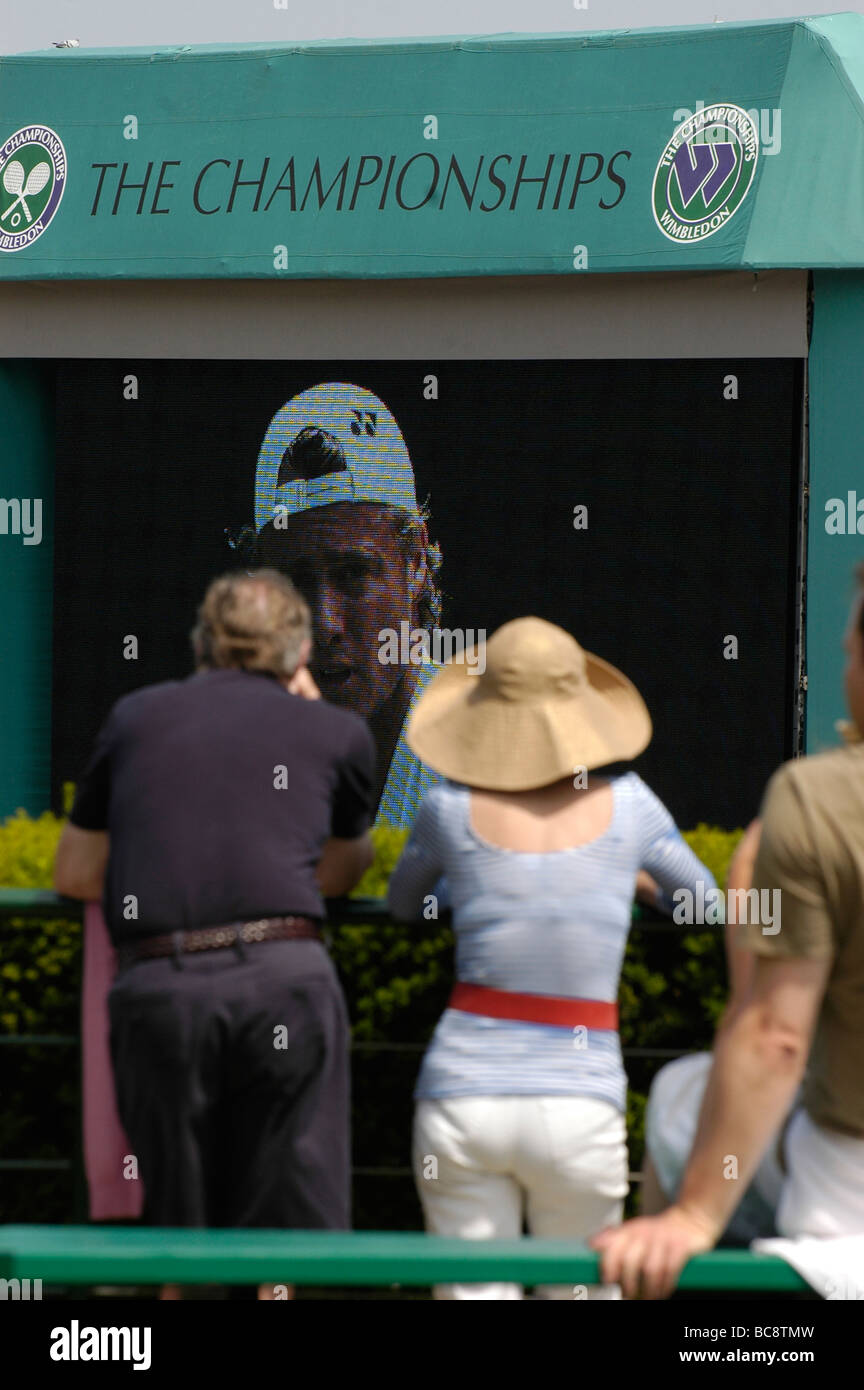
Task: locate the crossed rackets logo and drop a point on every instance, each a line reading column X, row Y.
column 23, row 187
column 32, row 180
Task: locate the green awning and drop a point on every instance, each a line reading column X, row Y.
column 725, row 147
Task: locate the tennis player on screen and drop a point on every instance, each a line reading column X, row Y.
column 336, row 510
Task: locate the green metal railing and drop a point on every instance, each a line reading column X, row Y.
column 96, row 1255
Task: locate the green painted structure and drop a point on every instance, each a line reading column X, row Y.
column 509, row 155
column 836, row 469
column 26, row 581
column 98, row 1254
column 411, row 205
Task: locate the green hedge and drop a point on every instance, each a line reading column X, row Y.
column 396, row 980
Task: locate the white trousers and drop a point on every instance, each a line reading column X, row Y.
column 821, row 1211
column 485, row 1164
column 823, row 1194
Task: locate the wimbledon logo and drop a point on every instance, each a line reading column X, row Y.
column 705, row 173
column 32, row 180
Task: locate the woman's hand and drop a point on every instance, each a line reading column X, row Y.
column 302, row 684
column 647, row 889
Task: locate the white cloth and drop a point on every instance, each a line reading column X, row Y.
column 671, row 1117
column 485, row 1164
column 821, row 1211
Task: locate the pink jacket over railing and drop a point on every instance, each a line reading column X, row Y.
column 106, row 1148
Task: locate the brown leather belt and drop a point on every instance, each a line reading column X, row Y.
column 216, row 938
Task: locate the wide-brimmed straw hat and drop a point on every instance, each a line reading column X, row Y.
column 542, row 708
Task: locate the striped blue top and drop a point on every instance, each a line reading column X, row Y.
column 537, row 923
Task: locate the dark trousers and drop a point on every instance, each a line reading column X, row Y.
column 232, row 1075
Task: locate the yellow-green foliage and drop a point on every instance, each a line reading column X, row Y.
column 714, row 847
column 28, row 846
column 27, row 849
column 396, row 979
column 388, row 843
column 38, row 959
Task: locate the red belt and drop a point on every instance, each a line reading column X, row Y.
column 534, row 1008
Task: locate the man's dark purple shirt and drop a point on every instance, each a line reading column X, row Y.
column 218, row 793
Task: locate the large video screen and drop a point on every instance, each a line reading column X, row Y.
column 647, row 507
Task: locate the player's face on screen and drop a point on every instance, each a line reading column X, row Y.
column 347, row 562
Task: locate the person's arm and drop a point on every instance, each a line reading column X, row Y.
column 759, row 1058
column 420, row 866
column 648, row 890
column 740, row 961
column 667, row 861
column 79, row 868
column 349, row 851
column 343, row 863
column 82, row 852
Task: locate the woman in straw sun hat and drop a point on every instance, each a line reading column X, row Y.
column 521, row 1094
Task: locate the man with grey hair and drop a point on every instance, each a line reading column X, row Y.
column 214, row 815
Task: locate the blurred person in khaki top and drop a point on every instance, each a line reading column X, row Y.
column 804, row 1011
column 812, row 849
